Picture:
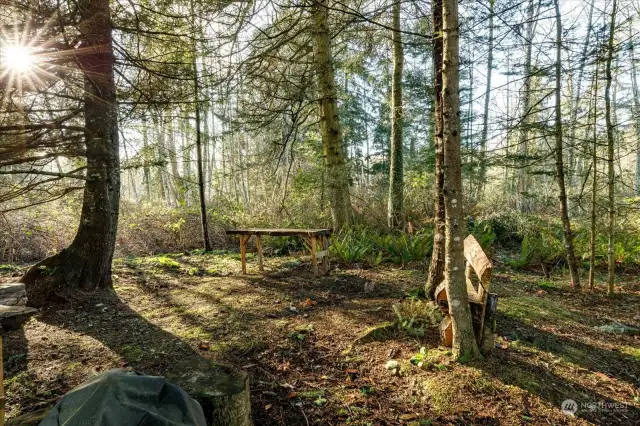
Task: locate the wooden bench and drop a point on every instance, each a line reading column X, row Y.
column 13, row 313
column 316, row 238
column 482, row 303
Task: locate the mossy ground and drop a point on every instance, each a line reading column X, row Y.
column 295, row 336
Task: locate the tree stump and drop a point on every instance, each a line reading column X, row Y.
column 222, row 392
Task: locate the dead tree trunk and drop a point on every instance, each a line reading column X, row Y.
column 610, row 151
column 464, row 342
column 564, row 211
column 436, row 268
column 86, row 263
column 396, row 175
column 336, row 171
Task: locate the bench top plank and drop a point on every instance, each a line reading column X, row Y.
column 280, row 232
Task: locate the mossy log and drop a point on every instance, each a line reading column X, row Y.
column 222, row 391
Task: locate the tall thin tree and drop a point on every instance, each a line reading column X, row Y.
column 199, row 162
column 560, row 174
column 335, row 163
column 436, row 267
column 396, row 175
column 610, row 151
column 464, row 341
column 487, row 98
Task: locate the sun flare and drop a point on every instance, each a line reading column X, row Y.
column 16, row 58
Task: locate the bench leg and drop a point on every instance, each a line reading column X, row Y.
column 243, row 252
column 314, row 259
column 325, row 259
column 259, row 247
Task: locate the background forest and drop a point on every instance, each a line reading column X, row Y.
column 223, row 94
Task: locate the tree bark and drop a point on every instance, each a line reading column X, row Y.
column 636, row 109
column 396, row 196
column 487, row 94
column 464, row 346
column 199, row 163
column 564, row 211
column 574, row 113
column 610, row 152
column 594, row 188
column 86, row 263
column 145, row 160
column 336, row 171
column 436, row 267
column 523, row 141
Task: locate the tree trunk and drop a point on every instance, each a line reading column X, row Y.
column 464, row 342
column 396, row 196
column 145, row 160
column 487, row 97
column 610, row 151
column 174, row 182
column 199, row 163
column 186, row 162
column 636, row 109
column 524, row 118
column 436, row 268
column 574, row 113
column 594, row 189
column 564, row 211
column 203, row 203
column 86, row 263
column 336, row 172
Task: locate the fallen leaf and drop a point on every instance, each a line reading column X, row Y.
column 292, row 395
column 603, row 376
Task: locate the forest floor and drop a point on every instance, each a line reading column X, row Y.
column 296, row 337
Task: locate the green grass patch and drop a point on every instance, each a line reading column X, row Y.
column 7, row 267
column 131, row 352
column 632, row 352
column 536, row 310
column 164, row 262
column 548, row 285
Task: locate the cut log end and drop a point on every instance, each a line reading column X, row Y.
column 222, row 392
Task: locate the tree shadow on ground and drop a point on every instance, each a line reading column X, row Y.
column 524, row 370
column 150, row 349
column 15, row 352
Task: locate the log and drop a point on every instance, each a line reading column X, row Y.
column 222, row 391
